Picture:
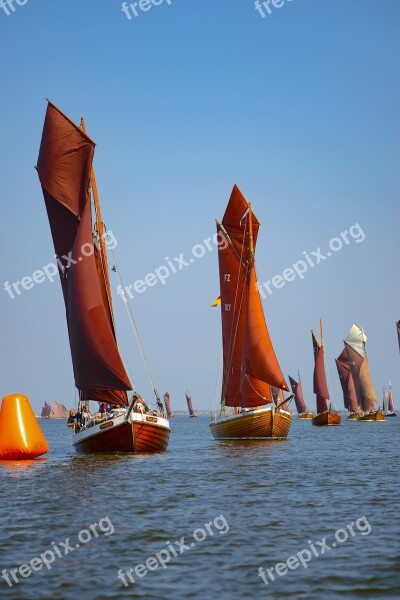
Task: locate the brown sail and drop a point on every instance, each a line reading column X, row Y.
column 250, row 364
column 347, row 383
column 366, row 395
column 64, row 167
column 320, row 385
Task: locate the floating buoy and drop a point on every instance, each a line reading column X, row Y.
column 20, row 435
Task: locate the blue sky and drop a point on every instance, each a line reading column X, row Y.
column 300, row 109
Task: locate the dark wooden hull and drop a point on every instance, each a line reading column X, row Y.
column 326, row 418
column 254, row 425
column 126, row 437
column 372, row 416
column 392, row 414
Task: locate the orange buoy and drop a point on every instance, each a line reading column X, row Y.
column 20, row 435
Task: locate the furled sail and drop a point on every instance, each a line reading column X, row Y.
column 297, row 390
column 347, row 383
column 167, row 403
column 64, row 168
column 320, row 385
column 250, row 365
column 358, row 362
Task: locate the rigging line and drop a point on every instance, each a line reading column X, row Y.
column 135, row 328
column 252, row 386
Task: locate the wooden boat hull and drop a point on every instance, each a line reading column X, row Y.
column 140, row 434
column 372, row 416
column 391, row 414
column 258, row 424
column 326, row 418
column 353, row 416
column 306, row 415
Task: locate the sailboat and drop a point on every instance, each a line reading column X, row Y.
column 69, row 187
column 250, row 366
column 325, row 415
column 190, row 405
column 167, row 402
column 388, row 404
column 358, row 361
column 297, row 389
column 348, row 388
column 59, row 411
column 47, row 412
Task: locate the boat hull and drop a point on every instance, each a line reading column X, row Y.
column 326, row 418
column 306, row 415
column 258, row 424
column 372, row 416
column 139, row 434
column 391, row 414
column 353, row 416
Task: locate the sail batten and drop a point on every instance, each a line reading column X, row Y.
column 64, row 168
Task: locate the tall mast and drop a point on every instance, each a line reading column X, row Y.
column 251, row 232
column 320, row 330
column 100, row 228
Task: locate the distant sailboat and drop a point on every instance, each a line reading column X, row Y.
column 59, row 411
column 167, row 403
column 69, row 187
column 190, row 405
column 348, row 388
column 47, row 412
column 325, row 415
column 297, row 389
column 388, row 404
column 250, row 366
column 358, row 362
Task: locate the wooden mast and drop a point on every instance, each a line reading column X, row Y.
column 101, row 232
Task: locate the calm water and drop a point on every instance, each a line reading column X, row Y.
column 274, row 497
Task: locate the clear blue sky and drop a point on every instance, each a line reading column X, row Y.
column 300, row 109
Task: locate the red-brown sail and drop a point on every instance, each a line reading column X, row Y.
column 347, row 383
column 320, row 385
column 189, row 403
column 297, row 390
column 250, row 364
column 167, row 403
column 366, row 395
column 64, row 167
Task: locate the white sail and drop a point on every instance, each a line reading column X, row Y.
column 356, row 338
